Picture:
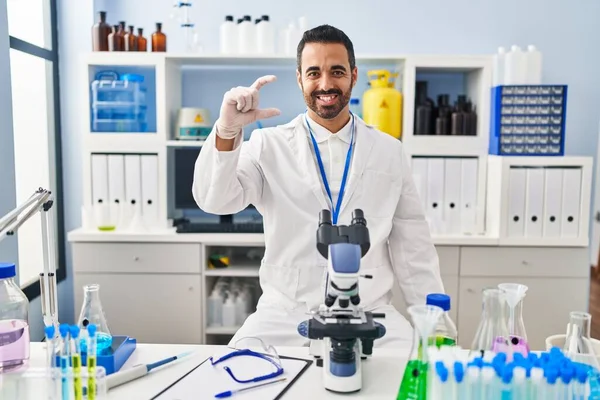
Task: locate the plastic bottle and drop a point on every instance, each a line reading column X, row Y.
column 290, row 39
column 215, row 308
column 246, row 38
column 14, row 317
column 142, row 41
column 240, row 308
column 100, row 32
column 229, row 312
column 265, row 36
column 515, row 72
column 382, row 103
column 534, row 66
column 446, row 333
column 159, row 39
column 228, row 36
column 499, row 65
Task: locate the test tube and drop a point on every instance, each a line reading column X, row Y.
column 459, row 375
column 64, row 361
column 50, row 347
column 487, row 384
column 535, row 383
column 91, row 361
column 76, row 363
column 473, row 382
column 519, row 389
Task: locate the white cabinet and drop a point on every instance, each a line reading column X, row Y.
column 149, row 291
column 153, row 308
column 546, row 306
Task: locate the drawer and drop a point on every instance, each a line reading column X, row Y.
column 137, row 257
column 563, row 262
column 449, row 259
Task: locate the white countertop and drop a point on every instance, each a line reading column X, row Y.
column 246, row 239
column 382, row 373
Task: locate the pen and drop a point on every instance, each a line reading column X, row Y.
column 91, row 361
column 138, row 371
column 76, row 361
column 229, row 393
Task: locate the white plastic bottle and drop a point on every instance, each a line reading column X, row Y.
column 215, row 308
column 240, row 308
column 302, row 26
column 291, row 43
column 499, row 64
column 228, row 36
column 265, row 36
column 229, row 312
column 534, row 65
column 515, row 72
column 246, row 36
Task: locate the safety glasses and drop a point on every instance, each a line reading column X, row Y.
column 253, row 347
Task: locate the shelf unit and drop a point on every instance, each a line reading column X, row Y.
column 168, row 70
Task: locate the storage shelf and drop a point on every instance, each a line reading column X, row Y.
column 185, row 143
column 234, row 271
column 222, row 330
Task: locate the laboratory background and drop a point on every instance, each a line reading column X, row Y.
column 106, row 104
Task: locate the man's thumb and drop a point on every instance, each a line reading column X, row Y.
column 266, row 113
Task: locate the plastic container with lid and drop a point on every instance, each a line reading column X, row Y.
column 445, row 332
column 118, row 103
column 14, row 322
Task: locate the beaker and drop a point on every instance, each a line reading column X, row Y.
column 492, row 332
column 578, row 347
column 93, row 313
column 514, row 295
column 414, row 382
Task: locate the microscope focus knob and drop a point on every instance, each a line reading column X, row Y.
column 344, row 303
column 329, row 300
column 358, row 217
column 355, row 300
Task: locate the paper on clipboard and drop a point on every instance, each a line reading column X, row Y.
column 206, row 380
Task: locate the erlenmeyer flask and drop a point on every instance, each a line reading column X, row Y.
column 515, row 294
column 578, row 347
column 93, row 313
column 492, row 332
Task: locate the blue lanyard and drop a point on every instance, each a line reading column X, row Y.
column 336, row 209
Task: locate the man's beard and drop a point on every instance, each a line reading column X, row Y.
column 330, row 111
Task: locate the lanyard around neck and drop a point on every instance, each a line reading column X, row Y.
column 336, row 208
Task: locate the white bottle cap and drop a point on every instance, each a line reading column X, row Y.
column 514, row 47
column 531, row 48
column 501, row 50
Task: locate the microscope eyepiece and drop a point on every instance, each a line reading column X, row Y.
column 325, row 217
column 358, row 217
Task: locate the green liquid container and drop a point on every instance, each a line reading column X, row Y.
column 446, row 333
column 414, row 381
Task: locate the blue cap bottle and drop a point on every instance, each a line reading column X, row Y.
column 445, row 332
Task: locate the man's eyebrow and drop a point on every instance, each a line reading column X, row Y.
column 313, row 68
column 339, row 67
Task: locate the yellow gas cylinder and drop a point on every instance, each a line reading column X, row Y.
column 382, row 103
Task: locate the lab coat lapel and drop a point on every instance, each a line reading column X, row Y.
column 363, row 145
column 306, row 163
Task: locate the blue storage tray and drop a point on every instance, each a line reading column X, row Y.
column 528, row 120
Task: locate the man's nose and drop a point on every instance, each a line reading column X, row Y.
column 326, row 83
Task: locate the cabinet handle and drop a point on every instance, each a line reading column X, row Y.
column 191, row 288
column 525, row 262
column 469, row 290
column 136, row 258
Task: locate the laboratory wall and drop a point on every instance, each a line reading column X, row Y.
column 566, row 32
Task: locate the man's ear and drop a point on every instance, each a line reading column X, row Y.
column 299, row 79
column 354, row 76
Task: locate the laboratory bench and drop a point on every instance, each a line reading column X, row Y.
column 382, row 373
column 165, row 276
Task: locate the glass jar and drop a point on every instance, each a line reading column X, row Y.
column 14, row 321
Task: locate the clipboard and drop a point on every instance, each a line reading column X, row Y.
column 188, row 383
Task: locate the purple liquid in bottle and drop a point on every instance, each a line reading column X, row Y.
column 14, row 344
column 519, row 345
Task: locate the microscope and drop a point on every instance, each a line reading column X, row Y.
column 341, row 332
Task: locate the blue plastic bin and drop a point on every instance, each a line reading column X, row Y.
column 118, row 103
column 528, row 120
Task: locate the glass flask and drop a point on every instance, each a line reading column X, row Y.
column 93, row 313
column 14, row 322
column 578, row 347
column 100, row 32
column 159, row 39
column 492, row 332
column 414, row 382
column 130, row 40
column 142, row 41
column 514, row 295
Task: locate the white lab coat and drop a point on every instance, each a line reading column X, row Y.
column 276, row 172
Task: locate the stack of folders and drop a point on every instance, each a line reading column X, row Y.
column 124, row 192
column 448, row 190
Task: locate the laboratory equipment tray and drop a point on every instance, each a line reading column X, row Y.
column 207, row 227
column 528, row 120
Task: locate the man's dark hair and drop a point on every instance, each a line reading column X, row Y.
column 326, row 34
